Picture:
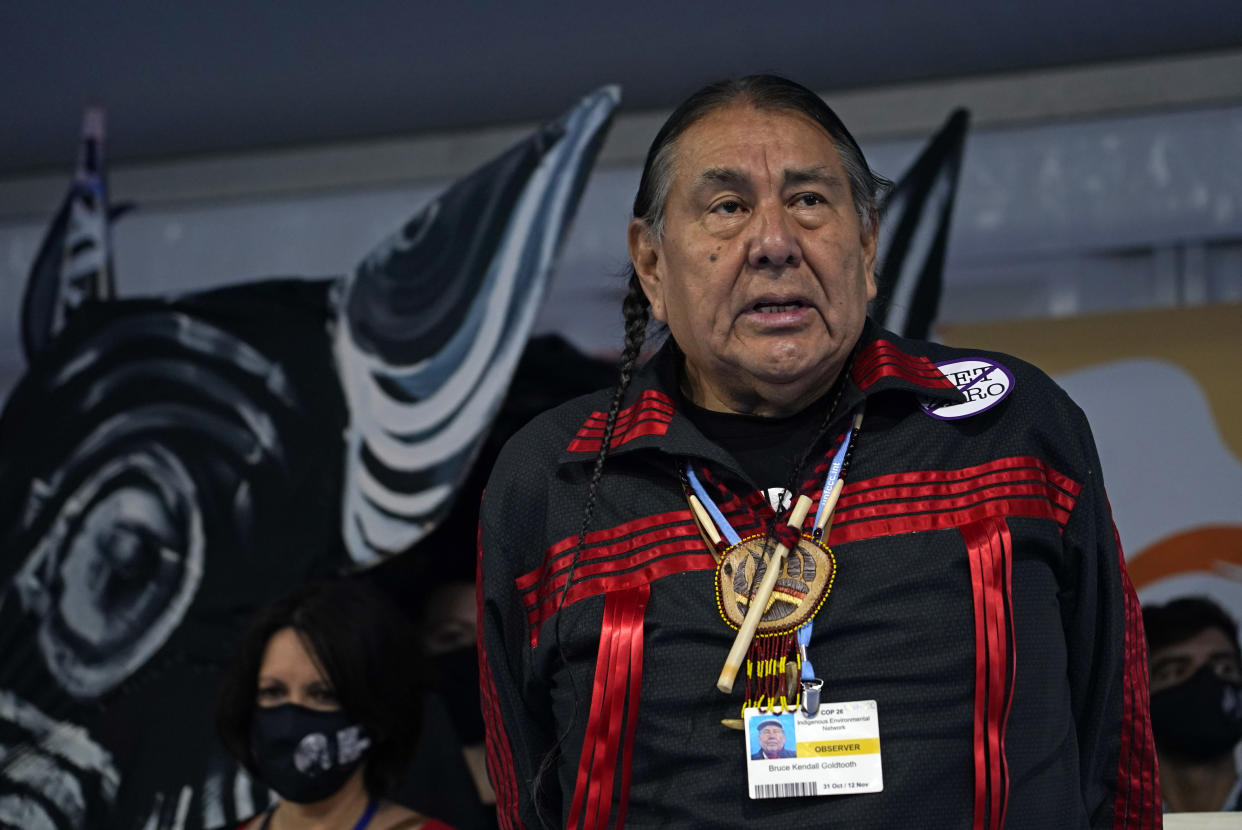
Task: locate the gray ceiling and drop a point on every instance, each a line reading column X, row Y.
column 196, row 77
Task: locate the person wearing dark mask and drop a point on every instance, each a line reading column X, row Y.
column 1196, row 704
column 450, row 640
column 321, row 705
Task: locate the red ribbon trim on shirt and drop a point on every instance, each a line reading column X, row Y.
column 1137, row 805
column 989, row 547
column 649, row 415
column 653, row 547
column 609, row 737
column 882, row 359
column 499, row 751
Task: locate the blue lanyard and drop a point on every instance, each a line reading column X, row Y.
column 834, row 472
column 727, row 531
column 722, row 524
column 830, row 483
column 367, row 814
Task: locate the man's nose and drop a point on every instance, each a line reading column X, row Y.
column 775, row 243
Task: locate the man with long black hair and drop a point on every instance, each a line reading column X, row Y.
column 909, row 543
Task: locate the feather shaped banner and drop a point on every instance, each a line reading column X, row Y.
column 914, row 233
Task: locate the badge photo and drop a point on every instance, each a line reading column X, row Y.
column 771, row 737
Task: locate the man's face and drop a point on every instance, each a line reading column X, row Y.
column 772, row 738
column 763, row 272
column 1174, row 664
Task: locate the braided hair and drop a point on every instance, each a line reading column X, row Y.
column 637, row 311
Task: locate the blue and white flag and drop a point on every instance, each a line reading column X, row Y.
column 74, row 263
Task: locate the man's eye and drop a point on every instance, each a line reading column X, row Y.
column 1167, row 674
column 728, row 207
column 808, row 200
column 1228, row 669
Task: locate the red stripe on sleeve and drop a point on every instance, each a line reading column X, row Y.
column 1137, row 802
column 499, row 752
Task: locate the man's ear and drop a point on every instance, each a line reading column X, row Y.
column 870, row 239
column 645, row 254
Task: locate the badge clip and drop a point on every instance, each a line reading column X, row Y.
column 810, row 696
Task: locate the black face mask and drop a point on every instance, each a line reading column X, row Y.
column 303, row 754
column 458, row 682
column 1199, row 718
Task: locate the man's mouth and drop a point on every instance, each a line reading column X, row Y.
column 764, row 307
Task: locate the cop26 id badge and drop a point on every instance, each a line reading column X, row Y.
column 836, row 752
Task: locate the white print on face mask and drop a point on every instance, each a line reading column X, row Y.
column 350, row 744
column 312, row 753
column 985, row 383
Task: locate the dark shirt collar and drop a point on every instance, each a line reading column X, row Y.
column 883, row 363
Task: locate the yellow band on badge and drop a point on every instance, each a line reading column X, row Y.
column 847, row 746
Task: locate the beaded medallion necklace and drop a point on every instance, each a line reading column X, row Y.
column 774, row 611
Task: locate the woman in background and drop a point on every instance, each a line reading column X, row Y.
column 322, row 705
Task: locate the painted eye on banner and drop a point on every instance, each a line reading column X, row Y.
column 117, row 570
column 164, row 449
